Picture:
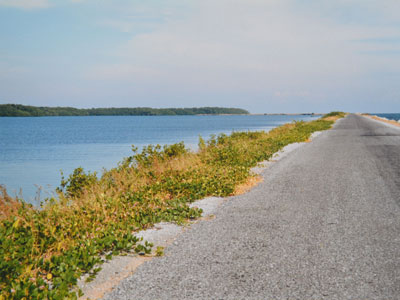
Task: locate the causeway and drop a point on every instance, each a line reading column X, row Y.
column 324, row 224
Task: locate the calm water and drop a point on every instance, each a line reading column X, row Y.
column 34, row 150
column 395, row 117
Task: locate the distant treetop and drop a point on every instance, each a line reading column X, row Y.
column 18, row 110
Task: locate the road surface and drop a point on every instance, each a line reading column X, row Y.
column 324, row 224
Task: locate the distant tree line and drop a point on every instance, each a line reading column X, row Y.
column 18, row 110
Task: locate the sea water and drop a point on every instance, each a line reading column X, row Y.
column 395, row 117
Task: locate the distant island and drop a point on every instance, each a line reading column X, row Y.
column 19, row 110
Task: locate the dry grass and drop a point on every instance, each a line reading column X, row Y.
column 332, row 118
column 8, row 205
column 248, row 185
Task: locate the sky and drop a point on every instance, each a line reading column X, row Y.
column 266, row 56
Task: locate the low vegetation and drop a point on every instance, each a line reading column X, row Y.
column 18, row 110
column 43, row 251
column 335, row 114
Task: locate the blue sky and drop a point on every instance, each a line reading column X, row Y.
column 262, row 55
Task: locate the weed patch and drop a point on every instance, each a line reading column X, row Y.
column 334, row 115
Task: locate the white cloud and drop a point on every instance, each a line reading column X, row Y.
column 12, row 71
column 285, row 94
column 31, row 4
column 120, row 25
column 25, row 4
column 120, row 72
column 247, row 45
column 372, row 12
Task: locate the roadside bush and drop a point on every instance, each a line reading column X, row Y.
column 339, row 114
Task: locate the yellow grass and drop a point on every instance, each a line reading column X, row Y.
column 8, row 205
column 248, row 185
column 333, row 118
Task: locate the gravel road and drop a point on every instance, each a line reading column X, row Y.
column 324, row 224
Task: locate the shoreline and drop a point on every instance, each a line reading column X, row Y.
column 384, row 120
column 176, row 115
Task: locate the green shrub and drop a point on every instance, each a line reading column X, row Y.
column 339, row 114
column 76, row 182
